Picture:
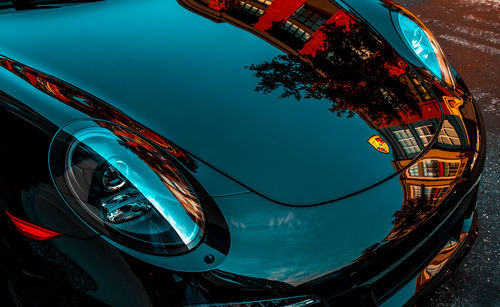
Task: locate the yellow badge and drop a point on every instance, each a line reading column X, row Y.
column 379, row 144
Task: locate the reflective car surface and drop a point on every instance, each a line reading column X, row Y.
column 223, row 152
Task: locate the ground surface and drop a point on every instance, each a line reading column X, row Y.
column 469, row 32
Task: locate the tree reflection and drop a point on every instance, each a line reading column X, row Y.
column 411, row 215
column 352, row 69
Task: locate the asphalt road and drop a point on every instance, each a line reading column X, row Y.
column 469, row 33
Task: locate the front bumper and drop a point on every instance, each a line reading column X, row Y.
column 460, row 240
column 404, row 283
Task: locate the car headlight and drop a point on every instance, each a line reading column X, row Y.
column 126, row 187
column 424, row 45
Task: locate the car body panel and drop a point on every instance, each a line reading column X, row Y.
column 296, row 245
column 311, row 206
column 104, row 50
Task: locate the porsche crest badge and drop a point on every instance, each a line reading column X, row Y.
column 379, row 144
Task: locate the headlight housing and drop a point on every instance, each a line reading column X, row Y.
column 126, row 187
column 424, row 45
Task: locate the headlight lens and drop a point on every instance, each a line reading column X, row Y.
column 126, row 187
column 425, row 46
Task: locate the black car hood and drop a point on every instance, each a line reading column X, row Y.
column 287, row 119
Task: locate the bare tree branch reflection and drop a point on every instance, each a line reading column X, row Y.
column 352, row 69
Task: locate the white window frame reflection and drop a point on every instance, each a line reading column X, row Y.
column 430, row 169
column 431, row 192
column 425, row 134
column 407, row 141
column 448, row 135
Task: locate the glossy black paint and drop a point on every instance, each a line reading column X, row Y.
column 272, row 130
column 236, row 146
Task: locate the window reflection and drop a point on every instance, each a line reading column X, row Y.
column 311, row 16
column 296, row 30
column 406, row 139
column 250, row 9
column 426, row 133
column 430, row 193
column 448, row 135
